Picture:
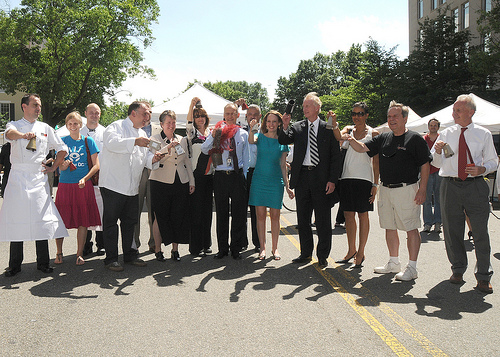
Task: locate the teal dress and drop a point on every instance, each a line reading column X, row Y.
column 267, row 181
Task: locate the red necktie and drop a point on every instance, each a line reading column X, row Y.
column 462, row 155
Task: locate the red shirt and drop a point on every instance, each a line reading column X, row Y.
column 430, row 143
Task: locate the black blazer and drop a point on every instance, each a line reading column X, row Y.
column 328, row 169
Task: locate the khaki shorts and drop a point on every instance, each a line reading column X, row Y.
column 397, row 208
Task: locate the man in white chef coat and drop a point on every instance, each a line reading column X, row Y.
column 123, row 157
column 28, row 212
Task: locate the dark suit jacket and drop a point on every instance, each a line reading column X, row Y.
column 329, row 166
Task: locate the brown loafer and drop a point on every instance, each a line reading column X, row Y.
column 457, row 278
column 484, row 286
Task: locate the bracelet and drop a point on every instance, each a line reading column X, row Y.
column 374, row 184
column 336, row 126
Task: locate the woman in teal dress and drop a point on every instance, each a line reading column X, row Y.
column 269, row 179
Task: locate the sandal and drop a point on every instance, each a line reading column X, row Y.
column 59, row 258
column 276, row 256
column 80, row 260
column 262, row 255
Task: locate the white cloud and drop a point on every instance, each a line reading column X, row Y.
column 340, row 34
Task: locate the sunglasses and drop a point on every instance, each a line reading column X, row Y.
column 358, row 114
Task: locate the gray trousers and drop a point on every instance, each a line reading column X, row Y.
column 458, row 198
column 144, row 192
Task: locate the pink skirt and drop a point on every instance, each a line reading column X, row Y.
column 77, row 206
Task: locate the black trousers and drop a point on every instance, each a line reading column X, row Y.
column 230, row 187
column 123, row 208
column 253, row 215
column 99, row 240
column 311, row 197
column 17, row 254
column 201, row 213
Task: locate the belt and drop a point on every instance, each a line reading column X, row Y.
column 397, row 185
column 227, row 172
column 458, row 179
column 309, row 168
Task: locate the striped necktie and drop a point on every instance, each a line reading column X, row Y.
column 313, row 146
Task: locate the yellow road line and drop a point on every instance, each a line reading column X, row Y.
column 374, row 324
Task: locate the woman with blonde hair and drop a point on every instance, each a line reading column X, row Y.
column 75, row 199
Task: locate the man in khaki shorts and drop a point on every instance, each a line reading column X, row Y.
column 403, row 155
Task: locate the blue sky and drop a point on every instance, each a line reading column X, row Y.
column 257, row 41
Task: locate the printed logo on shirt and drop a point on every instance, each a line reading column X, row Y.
column 75, row 154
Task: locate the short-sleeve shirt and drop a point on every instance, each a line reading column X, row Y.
column 78, row 155
column 400, row 157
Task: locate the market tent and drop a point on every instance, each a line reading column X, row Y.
column 487, row 115
column 211, row 102
column 412, row 117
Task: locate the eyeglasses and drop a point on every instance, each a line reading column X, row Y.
column 358, row 114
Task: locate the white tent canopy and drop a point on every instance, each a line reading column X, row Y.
column 211, row 102
column 487, row 115
column 412, row 117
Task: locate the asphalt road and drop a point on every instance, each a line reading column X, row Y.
column 207, row 307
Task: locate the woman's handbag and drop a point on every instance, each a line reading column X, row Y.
column 95, row 178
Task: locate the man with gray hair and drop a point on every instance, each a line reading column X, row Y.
column 404, row 156
column 315, row 172
column 465, row 153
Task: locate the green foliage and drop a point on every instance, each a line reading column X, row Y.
column 438, row 69
column 115, row 111
column 72, row 52
column 342, row 79
column 254, row 93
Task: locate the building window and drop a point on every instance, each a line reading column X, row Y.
column 6, row 112
column 465, row 15
column 434, row 4
column 420, row 8
column 487, row 5
column 454, row 14
column 443, row 2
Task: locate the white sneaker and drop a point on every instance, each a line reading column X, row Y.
column 437, row 228
column 410, row 273
column 390, row 267
column 427, row 228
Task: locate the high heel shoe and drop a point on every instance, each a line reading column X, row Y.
column 358, row 266
column 345, row 261
column 159, row 256
column 175, row 255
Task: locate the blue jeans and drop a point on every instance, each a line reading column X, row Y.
column 433, row 184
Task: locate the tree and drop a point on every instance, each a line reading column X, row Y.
column 254, row 93
column 72, row 52
column 438, row 69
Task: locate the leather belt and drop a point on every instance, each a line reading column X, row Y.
column 397, row 185
column 309, row 168
column 458, row 179
column 227, row 172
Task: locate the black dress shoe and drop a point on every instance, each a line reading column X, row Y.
column 256, row 249
column 45, row 269
column 322, row 263
column 302, row 259
column 243, row 248
column 236, row 256
column 207, row 251
column 100, row 251
column 221, row 255
column 11, row 272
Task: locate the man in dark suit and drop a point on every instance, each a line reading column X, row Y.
column 315, row 171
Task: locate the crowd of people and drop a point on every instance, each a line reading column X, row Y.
column 105, row 174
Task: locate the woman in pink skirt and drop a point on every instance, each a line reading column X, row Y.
column 75, row 197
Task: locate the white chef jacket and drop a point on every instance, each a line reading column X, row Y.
column 97, row 135
column 28, row 211
column 121, row 160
